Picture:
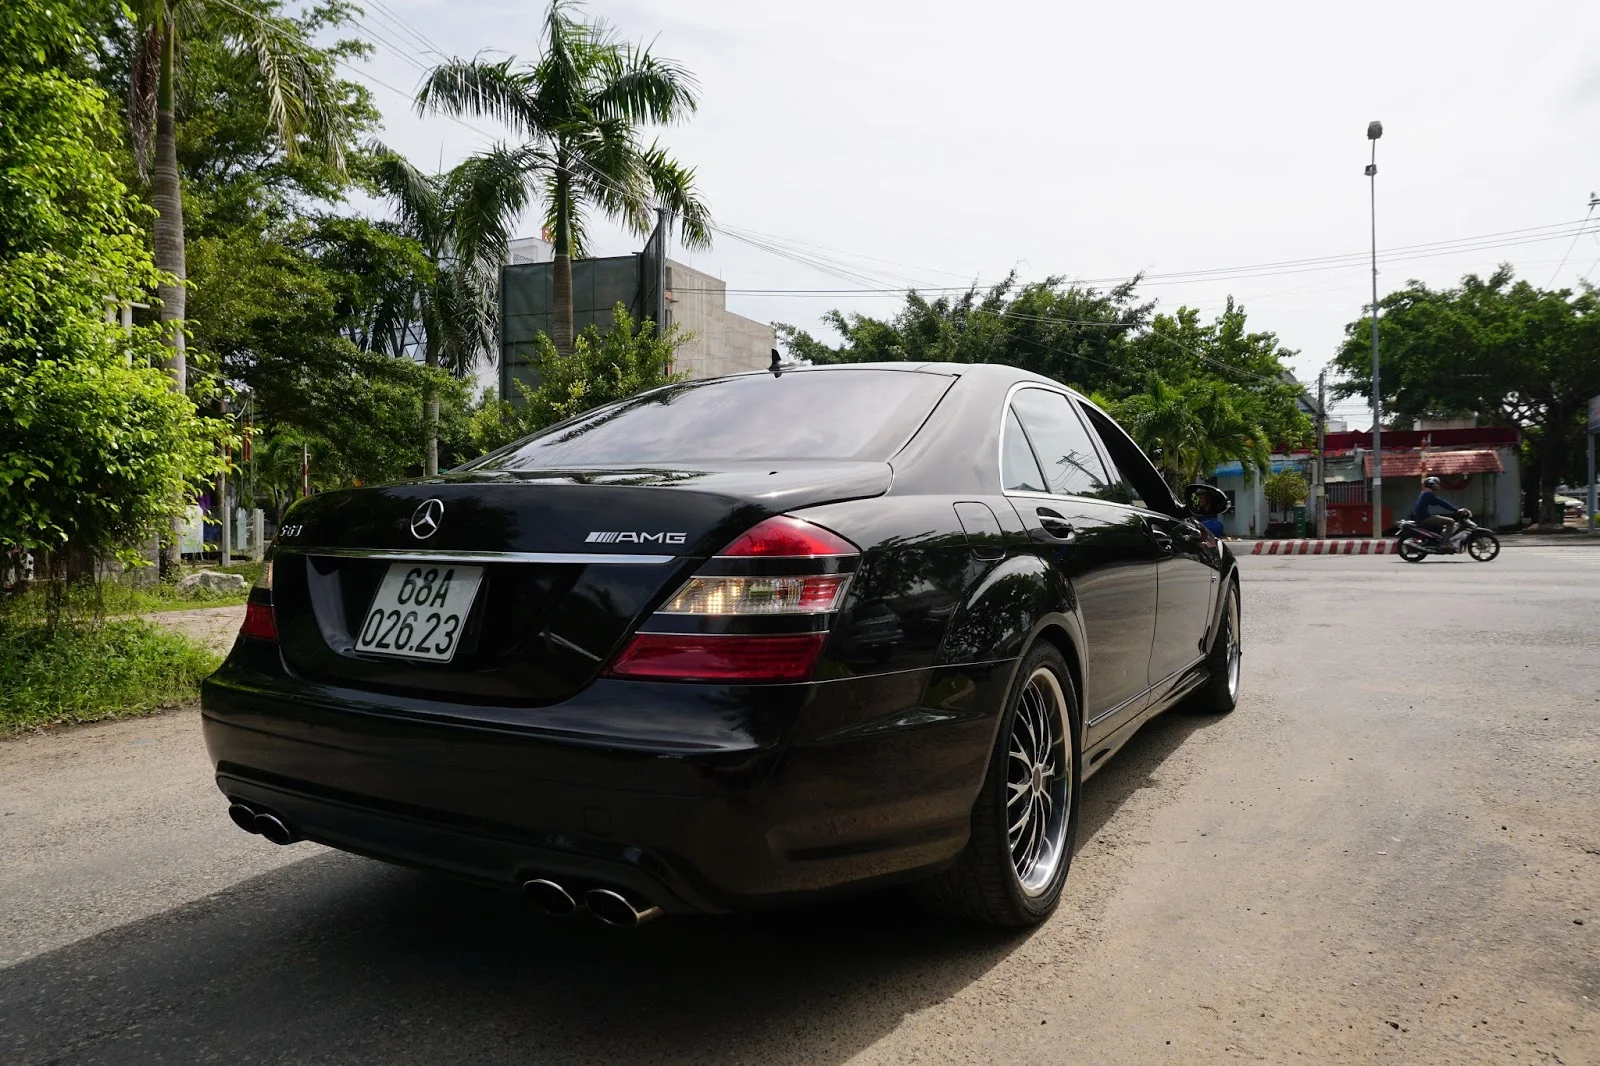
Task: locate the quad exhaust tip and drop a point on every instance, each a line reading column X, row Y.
column 273, row 828
column 614, row 908
column 550, row 897
column 266, row 823
column 608, row 905
column 243, row 817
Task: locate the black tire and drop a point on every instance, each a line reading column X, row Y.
column 984, row 884
column 1409, row 551
column 1220, row 693
column 1483, row 546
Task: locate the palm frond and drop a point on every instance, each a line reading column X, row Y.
column 302, row 92
column 644, row 88
column 487, row 192
column 144, row 77
column 673, row 186
column 415, row 197
column 483, row 89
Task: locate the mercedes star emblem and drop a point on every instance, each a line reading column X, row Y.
column 426, row 518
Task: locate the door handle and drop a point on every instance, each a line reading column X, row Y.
column 1056, row 525
column 1159, row 536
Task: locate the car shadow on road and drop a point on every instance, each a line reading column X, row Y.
column 338, row 959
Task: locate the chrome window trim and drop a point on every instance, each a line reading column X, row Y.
column 1094, row 438
column 416, row 555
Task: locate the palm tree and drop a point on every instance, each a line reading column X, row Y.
column 296, row 80
column 1190, row 428
column 578, row 110
column 462, row 220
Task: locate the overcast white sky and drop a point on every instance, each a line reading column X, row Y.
column 960, row 141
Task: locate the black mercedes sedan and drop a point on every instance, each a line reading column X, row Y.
column 734, row 643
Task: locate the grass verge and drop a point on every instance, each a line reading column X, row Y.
column 85, row 672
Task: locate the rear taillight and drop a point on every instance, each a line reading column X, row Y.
column 757, row 612
column 259, row 624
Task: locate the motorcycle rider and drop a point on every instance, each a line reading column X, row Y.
column 1440, row 524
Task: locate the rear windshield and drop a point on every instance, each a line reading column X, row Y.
column 832, row 414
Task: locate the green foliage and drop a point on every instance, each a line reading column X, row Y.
column 1193, row 394
column 95, row 451
column 1285, row 489
column 93, row 454
column 1494, row 347
column 1190, row 428
column 1072, row 334
column 84, row 673
column 603, row 368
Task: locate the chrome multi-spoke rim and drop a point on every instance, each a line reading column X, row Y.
column 1483, row 549
column 1233, row 645
column 1038, row 783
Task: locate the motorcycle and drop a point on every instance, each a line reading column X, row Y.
column 1414, row 543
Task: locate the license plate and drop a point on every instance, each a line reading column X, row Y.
column 419, row 611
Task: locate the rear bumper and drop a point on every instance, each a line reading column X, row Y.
column 717, row 799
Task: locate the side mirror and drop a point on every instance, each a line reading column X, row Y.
column 1206, row 501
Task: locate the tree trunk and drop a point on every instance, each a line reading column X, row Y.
column 1552, row 462
column 430, row 411
column 561, row 329
column 168, row 198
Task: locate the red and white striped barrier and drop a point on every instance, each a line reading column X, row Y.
column 1322, row 547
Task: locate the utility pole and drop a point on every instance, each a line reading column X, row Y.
column 1374, row 131
column 1322, row 454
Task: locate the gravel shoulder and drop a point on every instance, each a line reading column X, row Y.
column 1382, row 856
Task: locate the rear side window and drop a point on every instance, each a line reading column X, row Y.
column 1066, row 451
column 831, row 414
column 1019, row 470
column 1134, row 479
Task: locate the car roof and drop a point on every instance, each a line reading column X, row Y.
column 987, row 372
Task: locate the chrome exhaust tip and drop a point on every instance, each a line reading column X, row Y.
column 549, row 897
column 273, row 828
column 243, row 817
column 614, row 908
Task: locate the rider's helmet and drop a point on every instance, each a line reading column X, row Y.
column 1431, row 482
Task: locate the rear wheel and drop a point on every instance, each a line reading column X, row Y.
column 1025, row 821
column 1221, row 691
column 1483, row 546
column 1409, row 551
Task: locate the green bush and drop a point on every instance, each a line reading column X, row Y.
column 78, row 672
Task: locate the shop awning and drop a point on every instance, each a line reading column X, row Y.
column 1443, row 464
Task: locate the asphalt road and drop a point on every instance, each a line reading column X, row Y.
column 1383, row 855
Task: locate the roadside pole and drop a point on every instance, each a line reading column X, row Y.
column 1322, row 456
column 1374, row 131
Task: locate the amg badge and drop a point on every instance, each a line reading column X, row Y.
column 635, row 538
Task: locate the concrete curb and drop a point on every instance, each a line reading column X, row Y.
column 1322, row 547
column 1358, row 546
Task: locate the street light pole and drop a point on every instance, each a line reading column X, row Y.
column 1374, row 131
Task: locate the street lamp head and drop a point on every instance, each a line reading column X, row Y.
column 1374, row 130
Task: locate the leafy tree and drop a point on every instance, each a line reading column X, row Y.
column 604, row 367
column 1494, row 347
column 461, row 221
column 1191, row 428
column 95, row 451
column 1249, row 366
column 294, row 80
column 1061, row 331
column 1285, row 489
column 579, row 109
column 1193, row 394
